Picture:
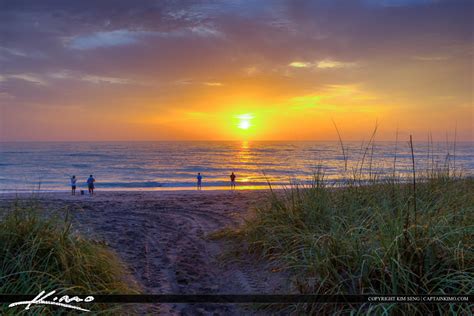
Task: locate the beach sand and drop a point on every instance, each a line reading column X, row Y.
column 161, row 236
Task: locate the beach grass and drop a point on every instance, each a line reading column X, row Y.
column 41, row 252
column 370, row 236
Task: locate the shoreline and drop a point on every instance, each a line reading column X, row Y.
column 192, row 190
column 108, row 192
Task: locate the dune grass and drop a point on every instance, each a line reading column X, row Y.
column 365, row 240
column 39, row 252
column 391, row 236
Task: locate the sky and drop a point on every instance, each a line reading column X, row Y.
column 235, row 70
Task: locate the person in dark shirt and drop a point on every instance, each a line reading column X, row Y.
column 73, row 185
column 232, row 181
column 90, row 184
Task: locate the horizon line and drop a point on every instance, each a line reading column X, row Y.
column 228, row 140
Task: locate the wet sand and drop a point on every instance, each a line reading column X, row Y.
column 161, row 236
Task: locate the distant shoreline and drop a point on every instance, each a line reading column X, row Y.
column 109, row 192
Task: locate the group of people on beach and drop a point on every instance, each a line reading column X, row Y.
column 90, row 185
column 199, row 181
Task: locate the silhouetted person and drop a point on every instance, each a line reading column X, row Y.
column 232, row 181
column 73, row 185
column 199, row 181
column 90, row 184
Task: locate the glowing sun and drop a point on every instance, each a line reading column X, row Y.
column 244, row 124
column 244, row 121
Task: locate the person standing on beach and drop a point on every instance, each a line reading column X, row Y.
column 199, row 181
column 73, row 185
column 90, row 184
column 232, row 181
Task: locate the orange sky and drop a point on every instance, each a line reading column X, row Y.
column 259, row 71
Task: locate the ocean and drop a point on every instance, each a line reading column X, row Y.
column 47, row 166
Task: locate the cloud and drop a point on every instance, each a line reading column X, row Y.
column 188, row 81
column 328, row 63
column 96, row 79
column 25, row 77
column 300, row 64
column 13, row 52
column 213, row 84
column 336, row 98
column 183, row 82
column 101, row 79
column 107, row 39
column 322, row 64
column 206, row 31
column 42, row 80
column 124, row 37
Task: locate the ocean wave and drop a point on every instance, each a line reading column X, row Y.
column 87, row 155
column 142, row 184
column 202, row 169
column 80, row 165
column 220, row 183
column 154, row 184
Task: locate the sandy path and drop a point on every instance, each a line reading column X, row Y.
column 160, row 235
